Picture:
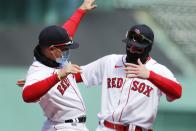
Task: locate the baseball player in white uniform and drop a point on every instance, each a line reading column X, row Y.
column 50, row 80
column 132, row 84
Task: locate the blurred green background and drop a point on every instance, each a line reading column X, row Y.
column 99, row 34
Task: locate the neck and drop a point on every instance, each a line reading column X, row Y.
column 43, row 59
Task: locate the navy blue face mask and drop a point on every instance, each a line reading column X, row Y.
column 132, row 57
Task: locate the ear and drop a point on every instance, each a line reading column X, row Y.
column 50, row 52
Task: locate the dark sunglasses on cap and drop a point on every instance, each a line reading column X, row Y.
column 132, row 35
column 62, row 47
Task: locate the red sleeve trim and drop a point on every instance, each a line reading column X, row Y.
column 171, row 88
column 81, row 11
column 34, row 92
column 72, row 24
column 78, row 77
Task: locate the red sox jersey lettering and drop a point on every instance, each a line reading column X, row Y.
column 64, row 84
column 141, row 87
column 115, row 82
column 125, row 100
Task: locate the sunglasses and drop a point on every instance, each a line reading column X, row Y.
column 136, row 36
column 62, row 47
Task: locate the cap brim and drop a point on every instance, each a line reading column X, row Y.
column 139, row 45
column 74, row 45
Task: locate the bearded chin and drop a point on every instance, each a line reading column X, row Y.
column 133, row 57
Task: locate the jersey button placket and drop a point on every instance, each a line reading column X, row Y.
column 125, row 96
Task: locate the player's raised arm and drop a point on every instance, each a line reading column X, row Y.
column 72, row 24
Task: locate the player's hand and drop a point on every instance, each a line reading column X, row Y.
column 20, row 83
column 68, row 69
column 88, row 5
column 136, row 71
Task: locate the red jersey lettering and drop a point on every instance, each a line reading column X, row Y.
column 109, row 82
column 64, row 84
column 148, row 90
column 119, row 82
column 113, row 82
column 135, row 84
column 142, row 88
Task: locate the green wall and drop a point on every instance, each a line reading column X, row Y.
column 19, row 116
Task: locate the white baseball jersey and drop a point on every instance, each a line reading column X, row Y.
column 61, row 102
column 124, row 100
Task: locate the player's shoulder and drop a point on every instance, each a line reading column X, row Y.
column 114, row 56
column 37, row 66
column 108, row 59
column 158, row 67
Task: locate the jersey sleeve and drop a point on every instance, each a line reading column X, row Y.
column 72, row 23
column 92, row 73
column 166, row 82
column 37, row 84
column 34, row 75
column 165, row 72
